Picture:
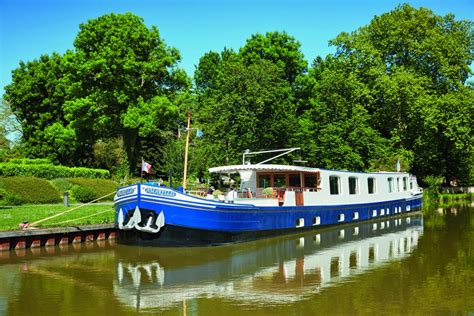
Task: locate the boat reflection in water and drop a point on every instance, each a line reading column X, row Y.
column 278, row 270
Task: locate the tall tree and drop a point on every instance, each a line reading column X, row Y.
column 36, row 96
column 279, row 48
column 125, row 82
column 414, row 65
column 249, row 107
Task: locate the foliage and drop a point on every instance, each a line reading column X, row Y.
column 172, row 158
column 29, row 161
column 49, row 171
column 29, row 190
column 434, row 185
column 99, row 187
column 267, row 191
column 12, row 199
column 120, row 82
column 396, row 88
column 61, row 184
column 83, row 194
column 279, row 48
column 250, row 107
column 138, row 105
column 408, row 69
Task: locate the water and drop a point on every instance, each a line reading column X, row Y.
column 409, row 265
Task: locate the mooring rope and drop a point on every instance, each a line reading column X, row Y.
column 67, row 211
column 81, row 218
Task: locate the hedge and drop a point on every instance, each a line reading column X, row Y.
column 28, row 190
column 99, row 187
column 30, row 161
column 48, row 171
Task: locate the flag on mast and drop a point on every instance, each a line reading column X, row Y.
column 146, row 166
column 398, row 165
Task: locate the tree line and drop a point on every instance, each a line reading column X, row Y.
column 395, row 89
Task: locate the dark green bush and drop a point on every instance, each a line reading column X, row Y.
column 82, row 194
column 99, row 187
column 29, row 190
column 48, row 171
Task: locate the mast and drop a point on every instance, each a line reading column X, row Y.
column 186, row 152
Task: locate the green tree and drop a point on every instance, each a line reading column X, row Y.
column 279, row 48
column 413, row 66
column 249, row 107
column 125, row 83
column 36, row 97
column 335, row 132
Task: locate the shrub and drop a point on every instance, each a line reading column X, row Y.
column 12, row 199
column 434, row 185
column 61, row 184
column 82, row 194
column 29, row 190
column 99, row 187
column 49, row 171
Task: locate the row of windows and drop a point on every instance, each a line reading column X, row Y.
column 335, row 185
column 310, row 180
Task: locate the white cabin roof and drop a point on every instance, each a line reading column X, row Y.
column 262, row 167
column 283, row 168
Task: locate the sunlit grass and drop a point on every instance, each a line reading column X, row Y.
column 11, row 217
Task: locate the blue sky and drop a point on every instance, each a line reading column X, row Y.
column 30, row 28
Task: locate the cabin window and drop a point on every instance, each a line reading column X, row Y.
column 390, row 185
column 411, row 185
column 371, row 185
column 294, row 180
column 405, row 180
column 310, row 180
column 355, row 215
column 334, row 185
column 398, row 184
column 264, row 181
column 279, row 181
column 353, row 185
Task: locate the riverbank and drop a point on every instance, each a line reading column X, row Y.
column 91, row 214
column 445, row 199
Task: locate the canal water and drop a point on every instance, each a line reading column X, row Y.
column 421, row 265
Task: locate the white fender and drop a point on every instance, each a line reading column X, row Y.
column 120, row 219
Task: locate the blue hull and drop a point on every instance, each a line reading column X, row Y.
column 201, row 221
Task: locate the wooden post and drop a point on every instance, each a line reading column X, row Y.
column 186, row 152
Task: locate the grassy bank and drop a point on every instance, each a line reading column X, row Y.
column 446, row 198
column 12, row 216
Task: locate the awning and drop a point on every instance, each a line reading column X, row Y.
column 269, row 167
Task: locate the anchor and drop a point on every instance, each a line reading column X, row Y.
column 136, row 219
column 160, row 222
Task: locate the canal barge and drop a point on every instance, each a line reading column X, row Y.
column 271, row 199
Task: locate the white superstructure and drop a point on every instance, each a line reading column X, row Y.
column 297, row 185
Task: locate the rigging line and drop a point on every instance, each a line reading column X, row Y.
column 80, row 218
column 67, row 211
